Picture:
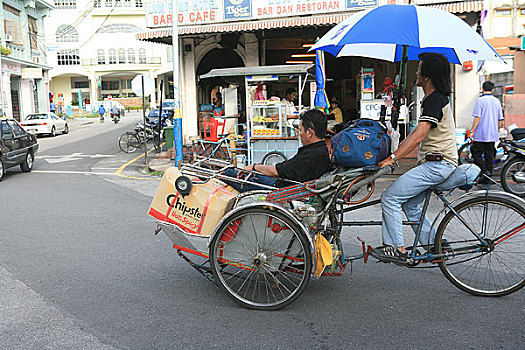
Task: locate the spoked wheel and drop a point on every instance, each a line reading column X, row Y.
column 261, row 259
column 464, row 154
column 273, row 158
column 494, row 265
column 128, row 142
column 513, row 177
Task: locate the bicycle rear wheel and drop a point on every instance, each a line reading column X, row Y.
column 494, row 265
column 261, row 259
column 128, row 142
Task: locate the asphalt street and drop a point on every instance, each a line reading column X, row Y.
column 81, row 268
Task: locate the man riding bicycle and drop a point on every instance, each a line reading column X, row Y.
column 437, row 158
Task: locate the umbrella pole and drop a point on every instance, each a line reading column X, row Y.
column 398, row 92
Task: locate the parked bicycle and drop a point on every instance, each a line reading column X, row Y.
column 130, row 141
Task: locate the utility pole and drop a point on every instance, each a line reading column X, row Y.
column 177, row 116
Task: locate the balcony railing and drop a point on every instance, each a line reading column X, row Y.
column 146, row 60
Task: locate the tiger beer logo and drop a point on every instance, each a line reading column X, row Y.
column 368, row 155
column 345, row 148
column 360, row 137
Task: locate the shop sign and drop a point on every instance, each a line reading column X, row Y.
column 193, row 12
column 360, row 3
column 237, row 9
column 371, row 109
column 12, row 68
column 32, row 73
column 262, row 77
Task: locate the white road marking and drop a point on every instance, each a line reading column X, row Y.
column 70, row 172
column 72, row 157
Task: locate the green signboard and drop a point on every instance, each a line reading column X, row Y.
column 523, row 42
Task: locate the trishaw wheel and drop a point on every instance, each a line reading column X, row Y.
column 261, row 259
column 494, row 265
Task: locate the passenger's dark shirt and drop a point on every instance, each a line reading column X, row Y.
column 309, row 163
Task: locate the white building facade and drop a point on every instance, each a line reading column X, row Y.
column 94, row 52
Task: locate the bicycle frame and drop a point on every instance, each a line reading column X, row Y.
column 480, row 245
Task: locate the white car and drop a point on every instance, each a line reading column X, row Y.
column 45, row 123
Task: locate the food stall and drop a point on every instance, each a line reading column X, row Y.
column 268, row 125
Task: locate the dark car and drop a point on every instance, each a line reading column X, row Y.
column 17, row 146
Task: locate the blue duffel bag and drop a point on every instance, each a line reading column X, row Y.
column 365, row 142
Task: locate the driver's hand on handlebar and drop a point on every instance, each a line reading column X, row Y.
column 387, row 162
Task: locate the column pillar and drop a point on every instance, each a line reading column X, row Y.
column 153, row 96
column 252, row 49
column 93, row 88
column 189, row 90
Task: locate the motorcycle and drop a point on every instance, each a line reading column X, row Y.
column 115, row 117
column 513, row 172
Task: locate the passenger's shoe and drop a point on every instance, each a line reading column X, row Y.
column 389, row 254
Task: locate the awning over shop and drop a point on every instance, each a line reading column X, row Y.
column 456, row 6
column 246, row 26
column 258, row 70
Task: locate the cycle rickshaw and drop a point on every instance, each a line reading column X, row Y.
column 264, row 250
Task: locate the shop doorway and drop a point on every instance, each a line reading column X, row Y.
column 15, row 102
column 214, row 59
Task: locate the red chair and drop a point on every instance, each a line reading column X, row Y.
column 213, row 128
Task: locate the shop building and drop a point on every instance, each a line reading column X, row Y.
column 243, row 33
column 23, row 61
column 94, row 53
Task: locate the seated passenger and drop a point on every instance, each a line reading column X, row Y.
column 311, row 161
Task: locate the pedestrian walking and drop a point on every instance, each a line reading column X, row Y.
column 488, row 118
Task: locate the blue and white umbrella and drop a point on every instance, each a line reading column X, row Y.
column 383, row 31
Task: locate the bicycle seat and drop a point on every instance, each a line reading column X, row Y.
column 463, row 178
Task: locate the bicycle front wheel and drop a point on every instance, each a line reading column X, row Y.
column 128, row 142
column 491, row 263
column 261, row 259
column 513, row 177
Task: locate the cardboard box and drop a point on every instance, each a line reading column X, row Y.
column 197, row 213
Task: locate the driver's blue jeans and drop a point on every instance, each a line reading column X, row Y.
column 407, row 193
column 255, row 179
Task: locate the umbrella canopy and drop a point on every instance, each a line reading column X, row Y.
column 383, row 31
column 321, row 100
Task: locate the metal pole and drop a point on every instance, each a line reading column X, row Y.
column 177, row 116
column 144, row 121
column 160, row 109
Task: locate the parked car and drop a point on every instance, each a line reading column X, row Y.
column 45, row 123
column 153, row 116
column 17, row 146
